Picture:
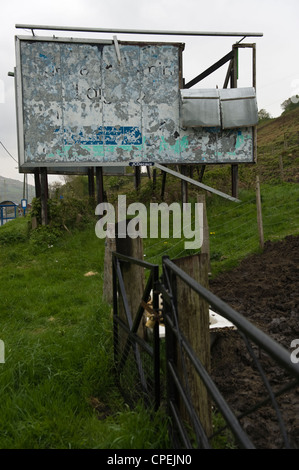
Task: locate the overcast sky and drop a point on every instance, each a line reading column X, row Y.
column 277, row 50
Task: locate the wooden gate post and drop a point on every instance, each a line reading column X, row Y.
column 193, row 321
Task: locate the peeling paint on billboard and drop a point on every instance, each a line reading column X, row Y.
column 82, row 103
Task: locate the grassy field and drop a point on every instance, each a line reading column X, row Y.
column 57, row 384
column 233, row 226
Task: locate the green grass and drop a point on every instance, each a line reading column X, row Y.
column 57, row 332
column 57, row 381
column 233, row 226
column 234, row 230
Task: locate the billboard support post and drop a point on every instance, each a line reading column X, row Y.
column 99, row 184
column 44, row 195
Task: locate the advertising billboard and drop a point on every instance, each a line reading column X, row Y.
column 104, row 103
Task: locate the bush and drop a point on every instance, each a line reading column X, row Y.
column 66, row 213
column 44, row 236
column 14, row 231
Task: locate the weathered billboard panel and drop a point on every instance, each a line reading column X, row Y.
column 82, row 103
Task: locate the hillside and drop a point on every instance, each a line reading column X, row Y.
column 12, row 190
column 278, row 148
column 277, row 156
column 276, row 131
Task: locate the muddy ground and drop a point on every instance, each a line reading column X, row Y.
column 265, row 289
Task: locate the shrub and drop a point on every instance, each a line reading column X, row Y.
column 14, row 231
column 44, row 236
column 66, row 213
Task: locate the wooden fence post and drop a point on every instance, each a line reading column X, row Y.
column 193, row 320
column 281, row 167
column 205, row 248
column 259, row 213
column 184, row 185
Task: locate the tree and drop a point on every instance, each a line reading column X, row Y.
column 263, row 115
column 75, row 186
column 290, row 103
column 55, row 189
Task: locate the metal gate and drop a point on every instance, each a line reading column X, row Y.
column 137, row 360
column 152, row 378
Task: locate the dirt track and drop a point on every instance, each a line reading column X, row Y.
column 265, row 289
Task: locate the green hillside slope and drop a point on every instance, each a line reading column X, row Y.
column 278, row 148
column 277, row 156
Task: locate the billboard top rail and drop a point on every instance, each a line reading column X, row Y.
column 138, row 31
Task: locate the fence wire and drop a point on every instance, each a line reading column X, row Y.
column 234, row 228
